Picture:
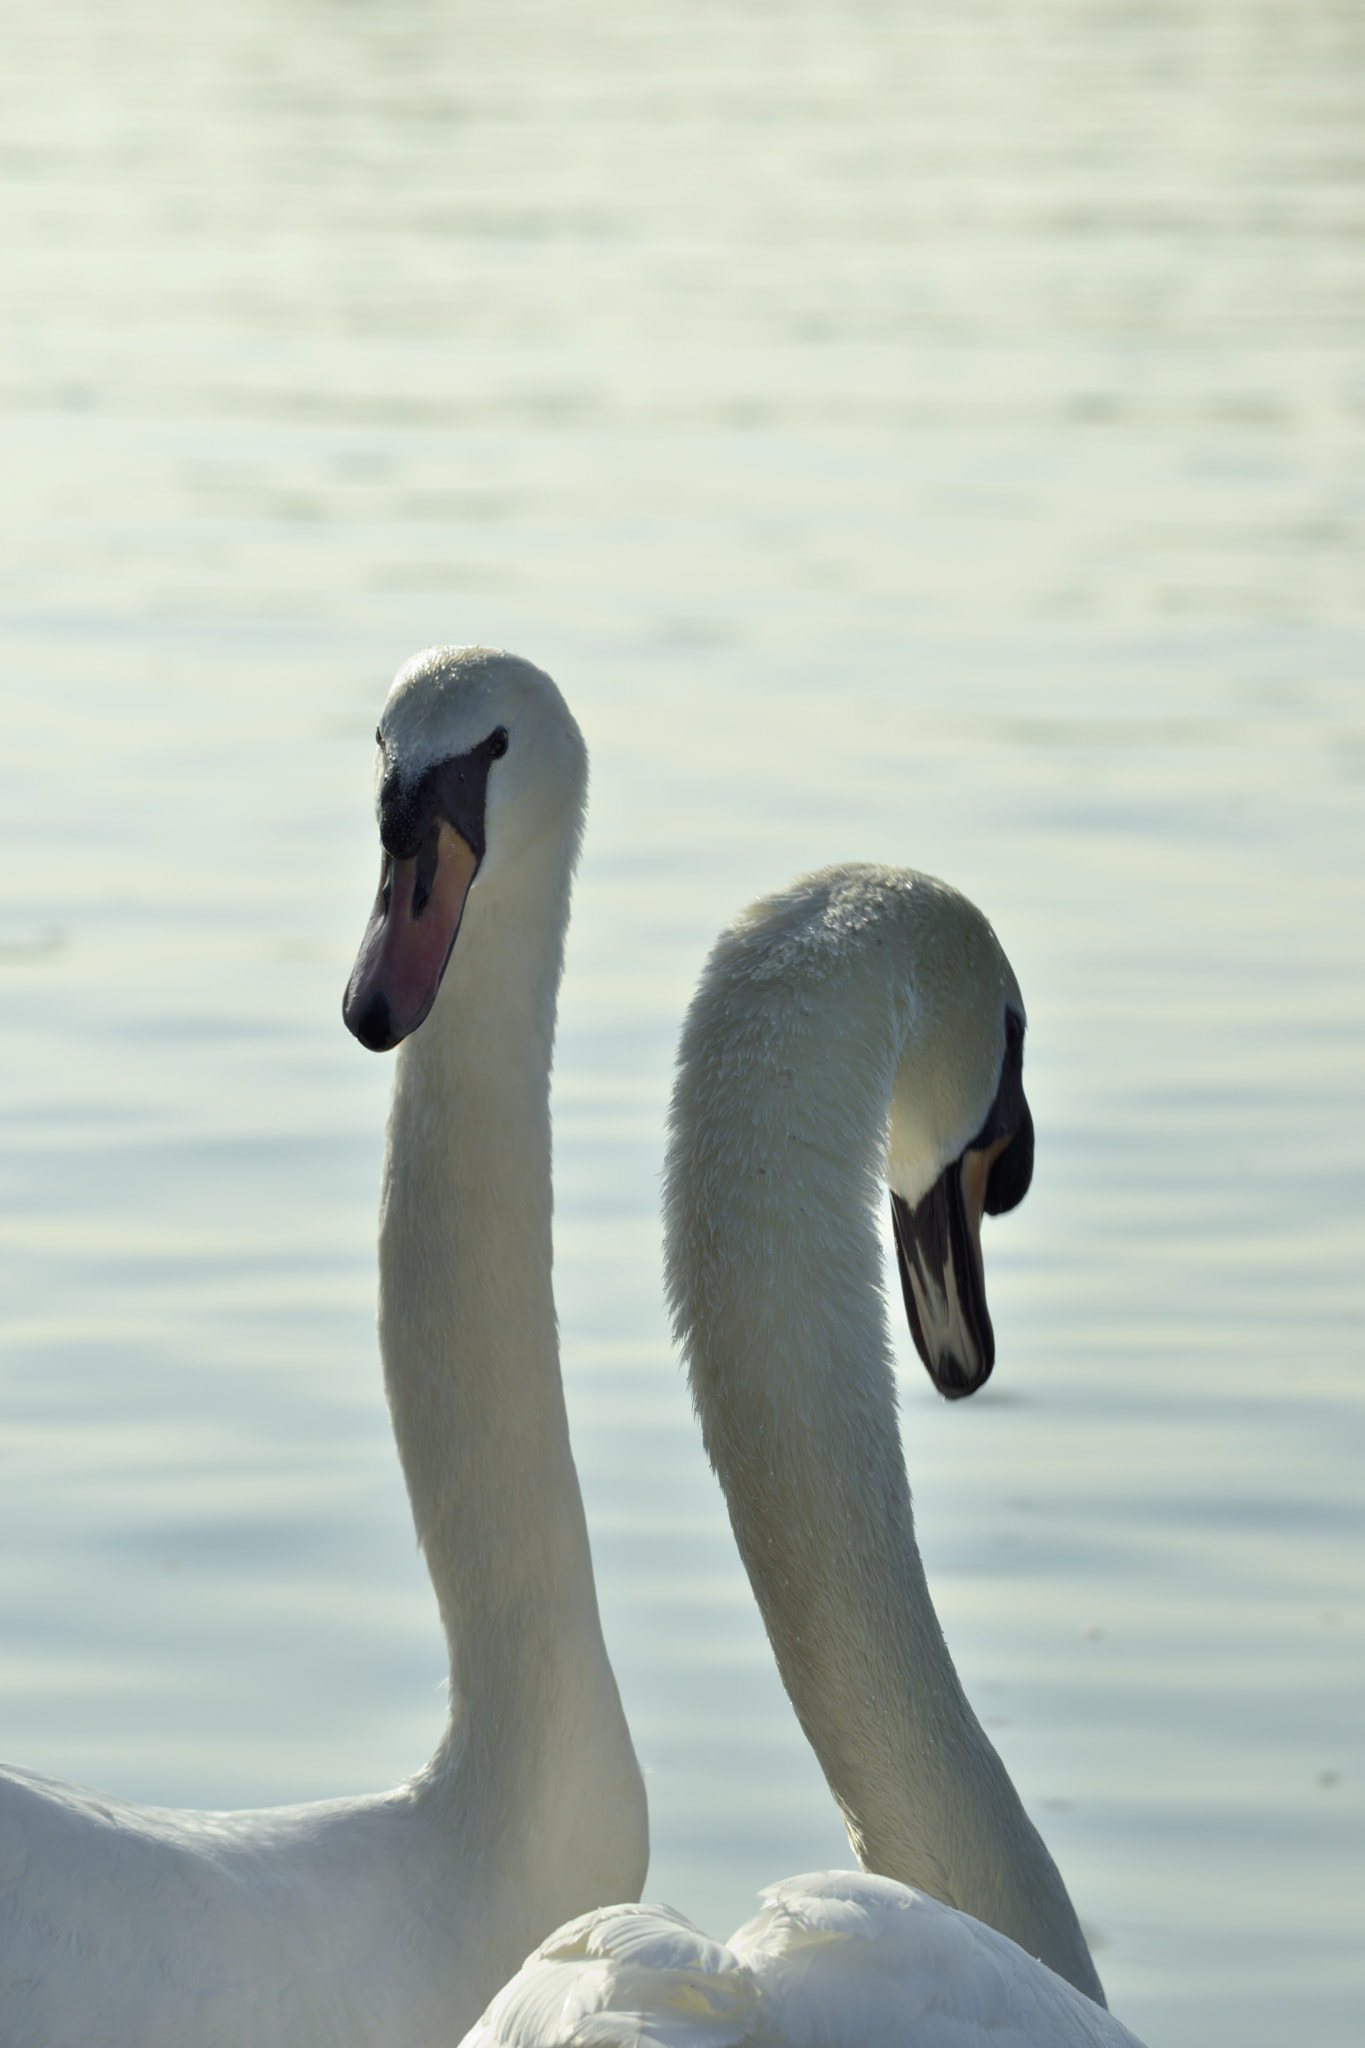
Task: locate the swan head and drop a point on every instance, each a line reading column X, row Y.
column 961, row 1133
column 861, row 1025
column 479, row 758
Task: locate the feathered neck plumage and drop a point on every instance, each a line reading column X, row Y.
column 779, row 1139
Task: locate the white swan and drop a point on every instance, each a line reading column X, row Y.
column 863, row 1025
column 390, row 1920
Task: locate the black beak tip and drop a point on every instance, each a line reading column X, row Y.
column 372, row 1024
column 954, row 1380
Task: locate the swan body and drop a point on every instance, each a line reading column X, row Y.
column 839, row 1959
column 388, row 1921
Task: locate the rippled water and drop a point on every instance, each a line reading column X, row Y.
column 917, row 434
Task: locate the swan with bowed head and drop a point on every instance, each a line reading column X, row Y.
column 862, row 1028
column 388, row 1921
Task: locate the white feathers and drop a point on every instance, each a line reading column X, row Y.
column 848, row 1030
column 851, row 1028
column 857, row 1001
column 838, row 1959
column 388, row 1922
column 622, row 1976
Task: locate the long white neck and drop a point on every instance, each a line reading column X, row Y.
column 471, row 1361
column 775, row 1274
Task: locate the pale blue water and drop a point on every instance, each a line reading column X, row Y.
column 905, row 435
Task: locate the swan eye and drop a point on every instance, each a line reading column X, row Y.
column 497, row 743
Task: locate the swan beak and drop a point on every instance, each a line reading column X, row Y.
column 408, row 940
column 943, row 1274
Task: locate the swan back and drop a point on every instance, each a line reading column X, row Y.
column 837, row 1959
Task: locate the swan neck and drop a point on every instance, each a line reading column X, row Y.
column 774, row 1191
column 468, row 1332
column 532, row 1809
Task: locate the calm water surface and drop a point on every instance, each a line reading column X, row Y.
column 930, row 435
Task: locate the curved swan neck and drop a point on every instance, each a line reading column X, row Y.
column 780, row 1127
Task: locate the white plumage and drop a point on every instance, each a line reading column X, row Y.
column 852, row 1031
column 388, row 1921
column 838, row 1959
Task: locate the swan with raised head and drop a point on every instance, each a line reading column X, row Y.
column 388, row 1921
column 863, row 1027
